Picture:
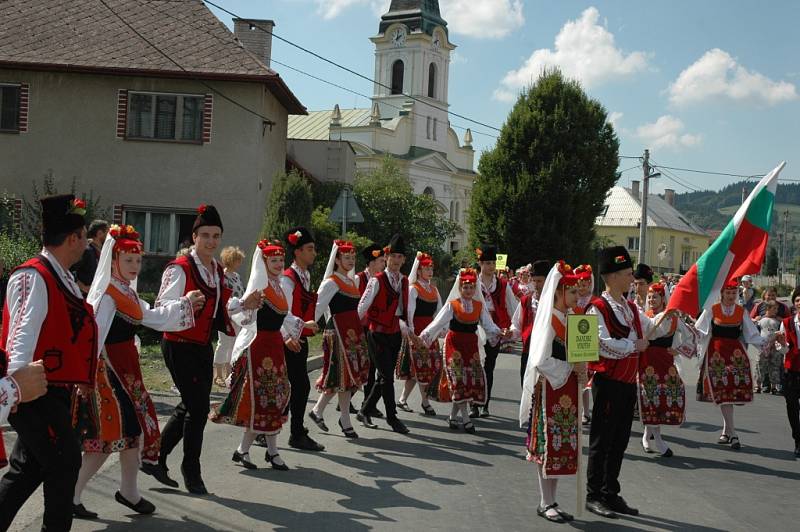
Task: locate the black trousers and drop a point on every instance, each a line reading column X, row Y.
column 791, row 392
column 297, row 369
column 612, row 416
column 488, row 367
column 47, row 451
column 192, row 368
column 384, row 348
column 372, row 370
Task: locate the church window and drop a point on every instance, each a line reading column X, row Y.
column 397, row 77
column 432, row 80
column 429, row 191
column 434, row 128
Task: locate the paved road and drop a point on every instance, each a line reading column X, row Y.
column 435, row 479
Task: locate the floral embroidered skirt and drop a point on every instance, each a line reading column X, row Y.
column 554, row 428
column 345, row 360
column 422, row 365
column 662, row 396
column 120, row 410
column 725, row 373
column 463, row 371
column 260, row 387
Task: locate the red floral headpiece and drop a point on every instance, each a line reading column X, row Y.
column 387, row 250
column 479, row 253
column 376, row 253
column 730, row 284
column 658, row 288
column 77, row 206
column 468, row 276
column 584, row 271
column 126, row 239
column 619, row 259
column 202, row 209
column 345, row 246
column 294, row 237
column 568, row 277
column 424, row 259
column 271, row 248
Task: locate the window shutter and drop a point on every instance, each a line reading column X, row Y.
column 117, row 214
column 24, row 102
column 208, row 109
column 17, row 216
column 122, row 113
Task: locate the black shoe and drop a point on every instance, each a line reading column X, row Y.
column 402, row 405
column 724, row 439
column 469, row 426
column 542, row 512
column 159, row 472
column 618, row 504
column 305, row 443
column 564, row 515
column 352, row 409
column 374, row 412
column 194, row 483
column 473, row 412
column 452, row 423
column 144, row 506
column 797, row 450
column 485, row 411
column 260, row 441
column 319, row 421
column 271, row 459
column 366, row 420
column 735, row 444
column 397, row 426
column 586, row 421
column 244, row 459
column 600, row 508
column 645, row 449
column 667, row 453
column 349, row 433
column 80, row 511
column 427, row 410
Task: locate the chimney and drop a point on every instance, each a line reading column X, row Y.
column 669, row 196
column 251, row 33
column 635, row 189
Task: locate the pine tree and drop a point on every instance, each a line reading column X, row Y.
column 289, row 204
column 544, row 183
column 771, row 264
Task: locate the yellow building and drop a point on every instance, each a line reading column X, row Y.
column 673, row 242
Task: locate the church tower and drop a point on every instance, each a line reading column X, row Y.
column 412, row 58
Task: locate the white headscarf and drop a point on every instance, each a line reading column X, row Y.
column 102, row 275
column 258, row 281
column 455, row 293
column 541, row 342
column 412, row 275
column 331, row 267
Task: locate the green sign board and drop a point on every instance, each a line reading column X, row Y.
column 583, row 344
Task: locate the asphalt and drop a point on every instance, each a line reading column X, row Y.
column 437, row 479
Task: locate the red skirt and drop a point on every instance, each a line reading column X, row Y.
column 422, row 365
column 662, row 396
column 260, row 387
column 554, row 428
column 345, row 361
column 466, row 379
column 725, row 374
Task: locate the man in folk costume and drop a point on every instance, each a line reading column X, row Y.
column 302, row 300
column 384, row 305
column 642, row 279
column 725, row 376
column 622, row 331
column 189, row 354
column 549, row 404
column 501, row 304
column 790, row 327
column 524, row 315
column 46, row 318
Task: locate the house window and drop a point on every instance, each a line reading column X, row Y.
column 9, row 107
column 163, row 231
column 161, row 116
column 432, row 80
column 633, row 242
column 686, row 257
column 397, row 77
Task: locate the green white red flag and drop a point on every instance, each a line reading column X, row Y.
column 739, row 250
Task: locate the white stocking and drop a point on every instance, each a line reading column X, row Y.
column 728, row 427
column 586, row 397
column 248, row 437
column 322, row 402
column 272, row 448
column 89, row 467
column 344, row 410
column 661, row 445
column 547, row 489
column 454, row 411
column 129, row 469
column 407, row 389
column 648, row 432
column 465, row 412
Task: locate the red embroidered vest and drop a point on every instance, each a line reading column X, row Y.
column 382, row 313
column 204, row 321
column 304, row 302
column 363, row 279
column 500, row 315
column 67, row 341
column 792, row 358
column 624, row 369
column 528, row 316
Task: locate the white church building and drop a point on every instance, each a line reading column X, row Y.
column 408, row 119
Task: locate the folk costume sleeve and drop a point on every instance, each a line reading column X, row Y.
column 516, row 324
column 411, row 309
column 614, row 348
column 287, row 285
column 104, row 316
column 327, row 289
column 9, row 397
column 440, row 323
column 175, row 317
column 512, row 303
column 26, row 298
column 173, row 285
column 493, row 332
column 368, row 297
column 685, row 340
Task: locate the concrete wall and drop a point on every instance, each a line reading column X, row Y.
column 72, row 131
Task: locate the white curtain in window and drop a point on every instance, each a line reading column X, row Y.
column 140, row 119
column 165, row 117
column 192, row 118
column 159, row 233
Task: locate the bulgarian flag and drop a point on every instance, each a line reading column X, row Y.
column 739, row 250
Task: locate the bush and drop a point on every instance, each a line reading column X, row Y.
column 14, row 250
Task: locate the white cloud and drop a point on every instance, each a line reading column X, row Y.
column 614, row 118
column 667, row 132
column 584, row 50
column 484, row 19
column 717, row 74
column 458, row 59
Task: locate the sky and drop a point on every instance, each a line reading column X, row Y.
column 710, row 85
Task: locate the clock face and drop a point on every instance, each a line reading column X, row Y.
column 398, row 37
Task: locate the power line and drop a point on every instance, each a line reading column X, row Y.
column 267, row 121
column 631, row 168
column 347, row 69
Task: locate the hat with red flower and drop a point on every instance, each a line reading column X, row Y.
column 61, row 214
column 298, row 236
column 271, row 248
column 207, row 215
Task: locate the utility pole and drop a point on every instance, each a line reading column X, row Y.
column 744, row 194
column 643, row 223
column 785, row 242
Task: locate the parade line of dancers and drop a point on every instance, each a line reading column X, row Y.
column 71, row 384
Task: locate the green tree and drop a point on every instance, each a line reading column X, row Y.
column 771, row 264
column 289, row 204
column 389, row 206
column 544, row 183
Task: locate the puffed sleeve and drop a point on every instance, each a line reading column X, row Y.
column 173, row 316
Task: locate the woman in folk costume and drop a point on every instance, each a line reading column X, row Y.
column 463, row 373
column 420, row 366
column 260, row 387
column 345, row 366
column 725, row 376
column 585, row 294
column 662, row 397
column 549, row 404
column 119, row 413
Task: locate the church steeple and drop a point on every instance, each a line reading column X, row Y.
column 422, row 15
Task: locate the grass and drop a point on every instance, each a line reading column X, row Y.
column 156, row 375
